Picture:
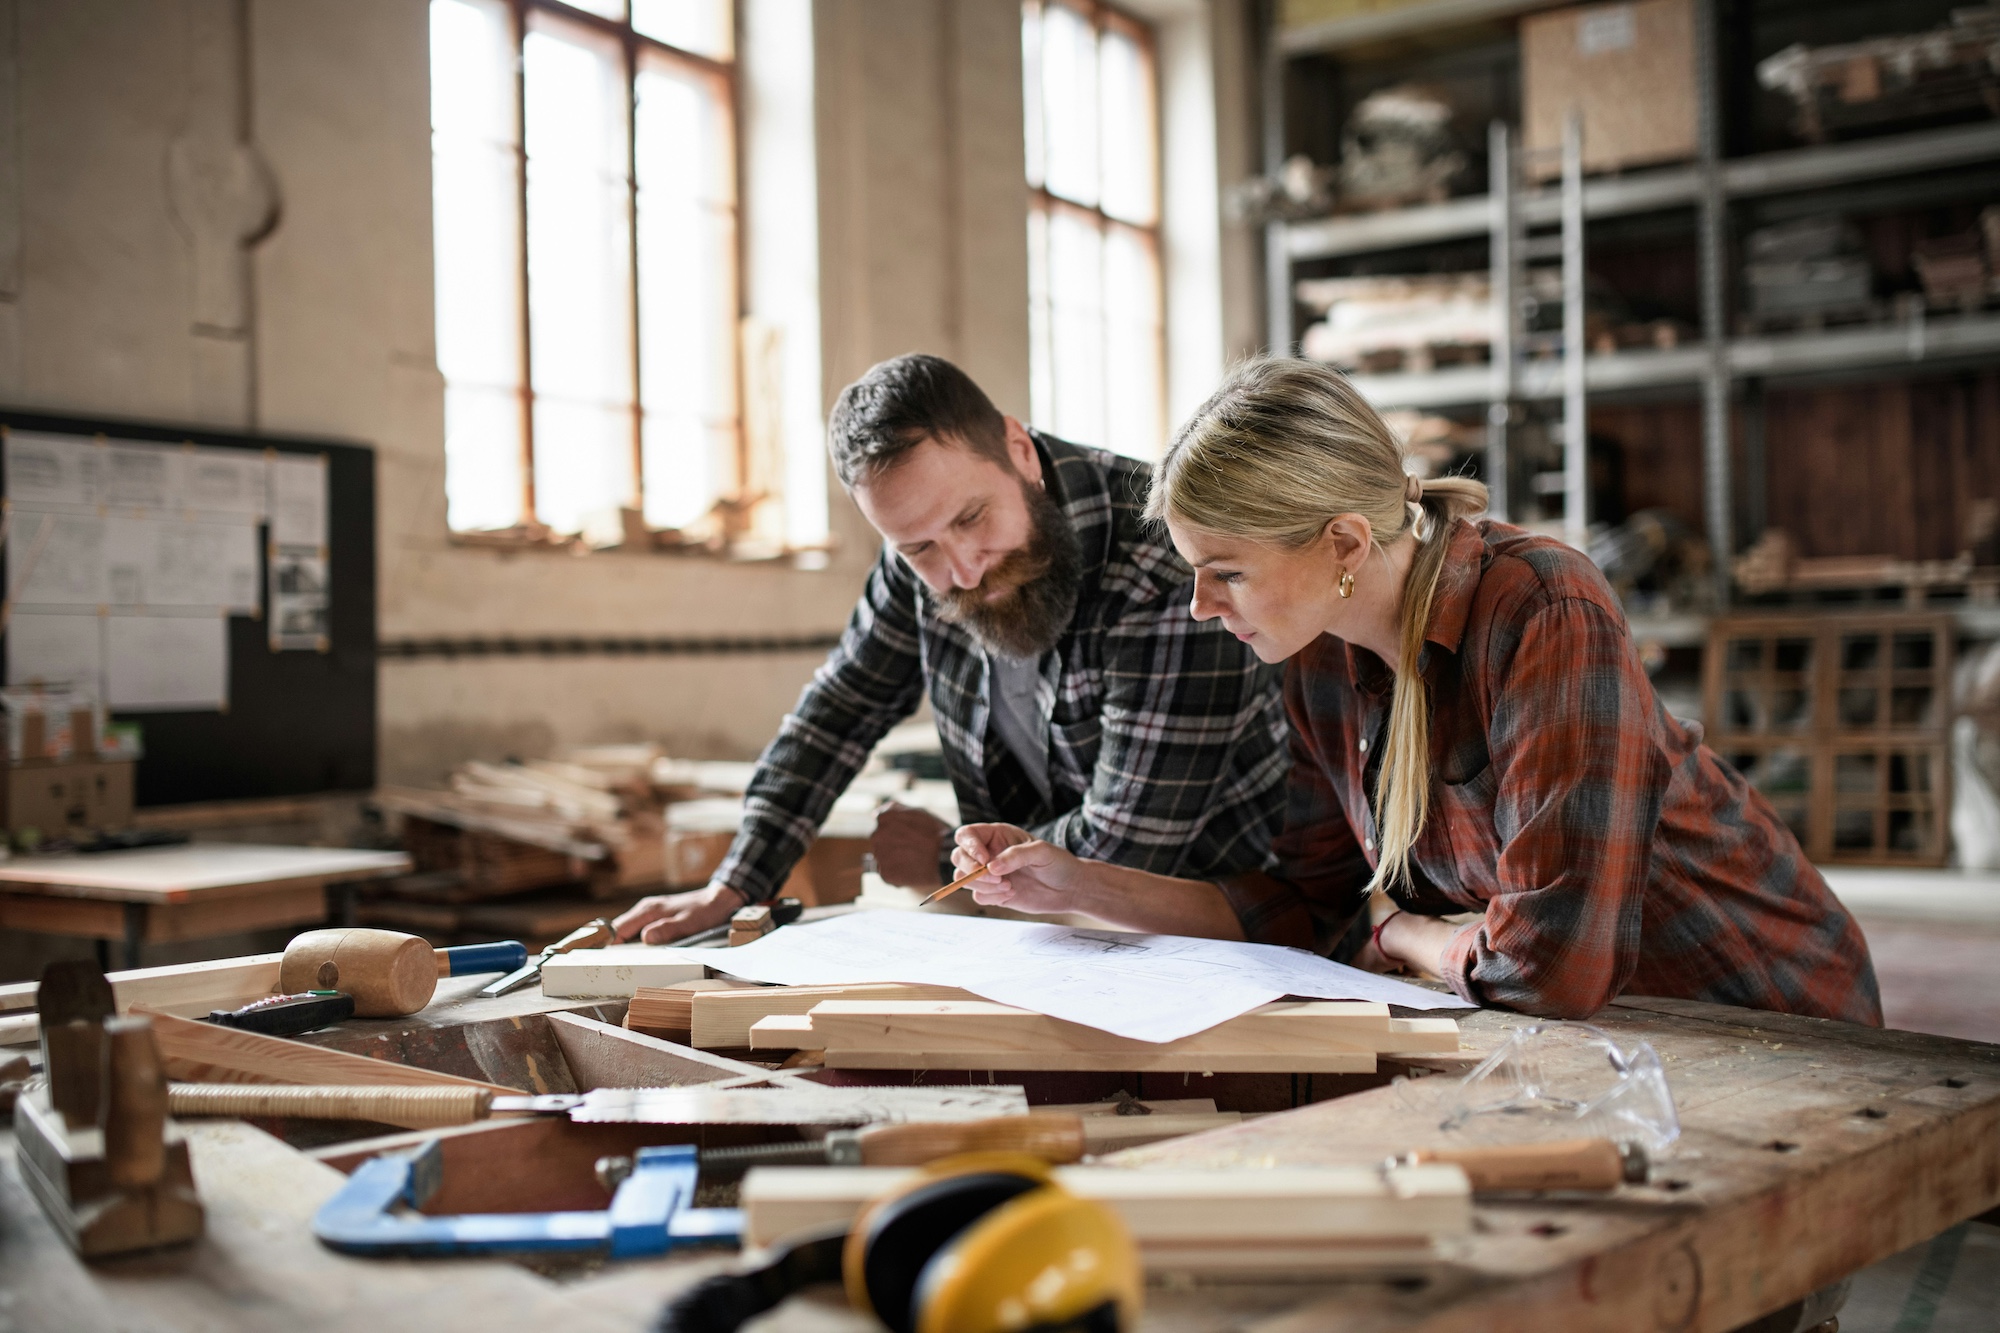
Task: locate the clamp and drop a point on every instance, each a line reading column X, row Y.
column 651, row 1213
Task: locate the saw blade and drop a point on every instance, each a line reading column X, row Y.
column 796, row 1105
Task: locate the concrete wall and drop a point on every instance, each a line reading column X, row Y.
column 112, row 310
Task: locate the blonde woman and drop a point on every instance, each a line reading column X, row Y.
column 1472, row 733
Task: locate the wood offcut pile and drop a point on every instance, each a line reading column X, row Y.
column 891, row 1026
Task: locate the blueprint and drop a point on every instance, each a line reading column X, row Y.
column 1146, row 987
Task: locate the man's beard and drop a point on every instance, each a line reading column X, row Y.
column 1042, row 574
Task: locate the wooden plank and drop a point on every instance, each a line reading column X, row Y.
column 187, row 989
column 668, row 1011
column 176, row 874
column 205, row 1053
column 1057, row 1061
column 603, row 1056
column 1276, row 1036
column 722, row 1019
column 619, row 971
column 1176, row 1211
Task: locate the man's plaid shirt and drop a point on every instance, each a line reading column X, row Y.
column 1167, row 737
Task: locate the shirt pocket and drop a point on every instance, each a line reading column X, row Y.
column 1465, row 800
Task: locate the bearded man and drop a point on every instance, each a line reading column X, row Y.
column 1020, row 589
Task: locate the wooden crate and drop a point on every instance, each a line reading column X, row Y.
column 1629, row 67
column 1843, row 722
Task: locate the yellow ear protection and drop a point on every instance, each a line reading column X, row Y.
column 989, row 1243
column 979, row 1243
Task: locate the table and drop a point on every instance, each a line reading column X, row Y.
column 155, row 894
column 1810, row 1149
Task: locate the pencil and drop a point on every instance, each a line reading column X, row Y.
column 954, row 886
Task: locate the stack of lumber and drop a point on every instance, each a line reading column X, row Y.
column 1293, row 1036
column 511, row 828
column 1243, row 1223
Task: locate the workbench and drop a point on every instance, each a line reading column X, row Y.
column 1809, row 1150
column 152, row 895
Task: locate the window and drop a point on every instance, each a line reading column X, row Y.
column 1097, row 335
column 584, row 194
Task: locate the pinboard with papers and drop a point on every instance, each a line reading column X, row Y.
column 217, row 589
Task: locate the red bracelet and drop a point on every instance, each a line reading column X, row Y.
column 1376, row 934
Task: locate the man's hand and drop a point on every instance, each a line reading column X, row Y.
column 1022, row 872
column 906, row 845
column 666, row 917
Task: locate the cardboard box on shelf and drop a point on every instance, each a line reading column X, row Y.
column 1628, row 67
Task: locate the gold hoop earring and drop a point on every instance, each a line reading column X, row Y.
column 1347, row 583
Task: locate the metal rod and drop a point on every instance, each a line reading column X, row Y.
column 1576, row 427
column 1277, row 259
column 1506, row 313
column 1711, row 219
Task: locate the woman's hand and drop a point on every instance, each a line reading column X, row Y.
column 1022, row 872
column 1416, row 943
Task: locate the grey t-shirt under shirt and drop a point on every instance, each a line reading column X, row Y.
column 1018, row 718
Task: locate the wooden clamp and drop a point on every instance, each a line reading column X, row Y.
column 94, row 1145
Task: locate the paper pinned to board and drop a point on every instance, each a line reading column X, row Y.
column 54, row 650
column 56, row 559
column 156, row 562
column 298, row 500
column 166, row 664
column 1146, row 987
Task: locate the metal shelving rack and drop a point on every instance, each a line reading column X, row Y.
column 1712, row 366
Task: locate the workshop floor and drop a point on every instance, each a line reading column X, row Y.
column 1935, row 937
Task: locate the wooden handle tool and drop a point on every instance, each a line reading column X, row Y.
column 954, row 886
column 411, row 1107
column 1572, row 1164
column 1053, row 1138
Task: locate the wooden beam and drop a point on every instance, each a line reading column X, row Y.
column 207, row 1053
column 188, row 985
column 1145, row 1062
column 187, row 989
column 600, row 1055
column 668, row 1011
column 1304, row 1218
column 1320, row 1036
column 722, row 1019
column 617, row 972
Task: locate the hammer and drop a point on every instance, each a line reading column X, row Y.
column 388, row 973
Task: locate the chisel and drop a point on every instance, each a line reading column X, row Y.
column 1570, row 1164
column 1057, row 1139
column 592, row 935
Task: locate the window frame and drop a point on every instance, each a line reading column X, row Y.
column 724, row 75
column 1101, row 16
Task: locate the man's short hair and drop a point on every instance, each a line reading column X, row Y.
column 902, row 402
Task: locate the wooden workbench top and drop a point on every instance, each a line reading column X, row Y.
column 169, row 875
column 1809, row 1149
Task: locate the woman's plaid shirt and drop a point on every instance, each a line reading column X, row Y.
column 1166, row 737
column 1609, row 850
